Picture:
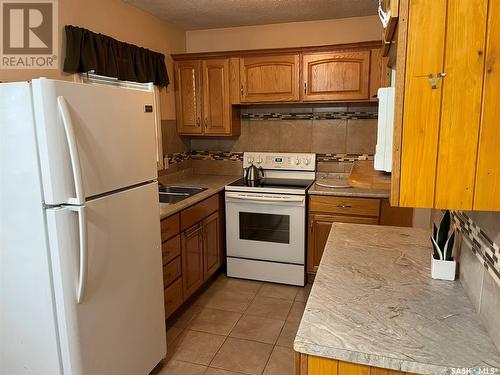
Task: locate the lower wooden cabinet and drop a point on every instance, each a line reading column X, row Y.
column 319, row 230
column 326, row 210
column 192, row 250
column 192, row 260
column 311, row 365
column 212, row 249
column 173, row 297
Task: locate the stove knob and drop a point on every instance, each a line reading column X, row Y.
column 307, row 161
column 259, row 160
column 297, row 161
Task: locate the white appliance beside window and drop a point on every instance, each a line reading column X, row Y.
column 383, row 150
column 80, row 249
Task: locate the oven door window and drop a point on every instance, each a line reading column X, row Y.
column 265, row 227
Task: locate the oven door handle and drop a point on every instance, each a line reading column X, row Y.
column 267, row 199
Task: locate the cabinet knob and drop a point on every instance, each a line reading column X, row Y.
column 241, row 90
column 198, row 122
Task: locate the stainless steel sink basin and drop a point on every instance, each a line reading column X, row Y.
column 174, row 194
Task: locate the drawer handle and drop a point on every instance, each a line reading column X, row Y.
column 344, row 206
column 192, row 231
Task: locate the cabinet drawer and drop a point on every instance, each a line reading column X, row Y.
column 171, row 271
column 198, row 212
column 173, row 297
column 169, row 227
column 346, row 206
column 170, row 249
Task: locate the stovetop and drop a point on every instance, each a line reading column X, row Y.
column 272, row 185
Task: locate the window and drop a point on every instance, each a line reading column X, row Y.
column 102, row 80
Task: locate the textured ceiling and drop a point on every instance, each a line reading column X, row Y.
column 208, row 14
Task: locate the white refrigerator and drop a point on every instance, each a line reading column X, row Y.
column 81, row 288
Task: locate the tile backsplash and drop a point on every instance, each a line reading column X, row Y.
column 322, row 130
column 480, row 265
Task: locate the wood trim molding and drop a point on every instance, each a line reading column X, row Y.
column 280, row 51
column 400, row 88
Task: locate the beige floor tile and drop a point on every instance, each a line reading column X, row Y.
column 296, row 312
column 196, row 347
column 172, row 333
column 249, row 357
column 280, row 362
column 236, row 285
column 274, row 308
column 218, row 371
column 287, row 292
column 303, row 293
column 257, row 328
column 182, row 321
column 229, row 300
column 215, row 321
column 181, row 368
column 287, row 335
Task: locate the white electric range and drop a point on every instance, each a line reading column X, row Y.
column 266, row 219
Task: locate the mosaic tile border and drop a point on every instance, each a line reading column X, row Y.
column 238, row 156
column 217, row 155
column 340, row 115
column 342, row 157
column 178, row 157
column 482, row 246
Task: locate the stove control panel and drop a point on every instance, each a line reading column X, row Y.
column 275, row 160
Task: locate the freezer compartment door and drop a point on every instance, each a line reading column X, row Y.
column 92, row 139
column 111, row 317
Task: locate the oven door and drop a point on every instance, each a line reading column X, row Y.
column 267, row 227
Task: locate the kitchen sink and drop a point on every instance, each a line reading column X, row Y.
column 174, row 194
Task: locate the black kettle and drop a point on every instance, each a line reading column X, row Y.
column 252, row 173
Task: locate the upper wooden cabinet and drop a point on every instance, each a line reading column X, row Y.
column 336, row 76
column 216, row 104
column 211, row 86
column 269, row 78
column 188, row 96
column 203, row 95
column 447, row 95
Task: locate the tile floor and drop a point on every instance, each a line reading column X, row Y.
column 236, row 327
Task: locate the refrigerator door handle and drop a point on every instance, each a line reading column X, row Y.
column 62, row 106
column 82, row 276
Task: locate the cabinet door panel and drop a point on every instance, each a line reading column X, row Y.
column 487, row 189
column 319, row 230
column 211, row 245
column 216, row 100
column 188, row 97
column 336, row 75
column 461, row 104
column 422, row 103
column 192, row 260
column 269, row 78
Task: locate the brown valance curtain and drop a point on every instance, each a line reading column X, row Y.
column 88, row 51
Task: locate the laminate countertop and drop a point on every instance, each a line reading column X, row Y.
column 374, row 302
column 316, row 189
column 213, row 183
column 362, row 181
